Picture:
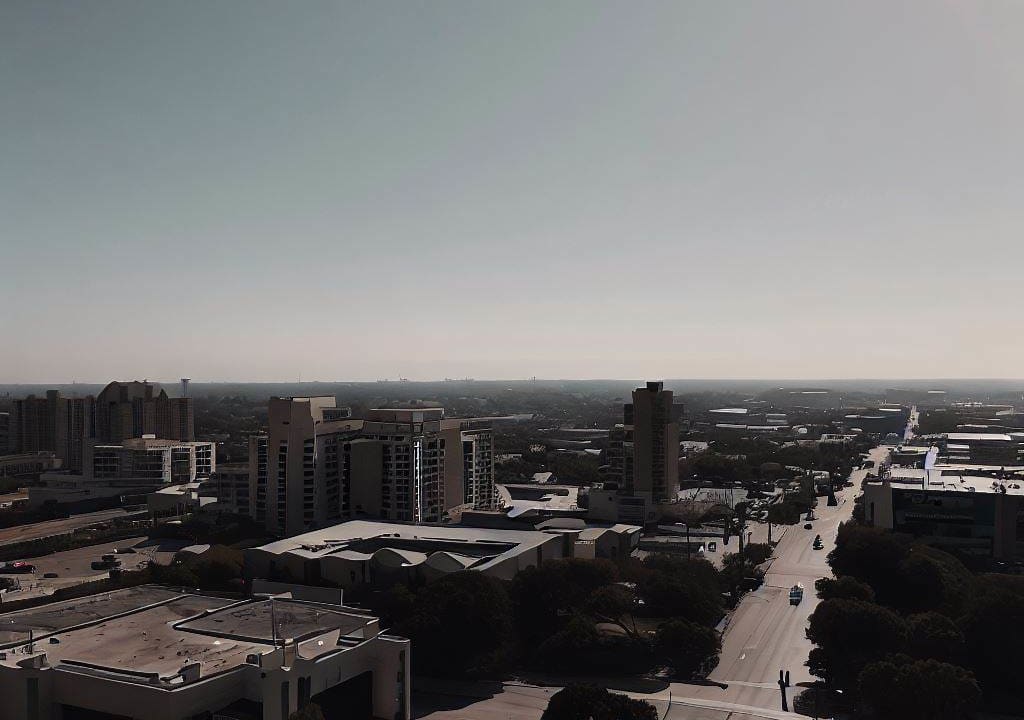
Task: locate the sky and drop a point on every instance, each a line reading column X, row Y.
column 238, row 190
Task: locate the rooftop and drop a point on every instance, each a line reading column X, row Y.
column 361, row 539
column 977, row 437
column 149, row 634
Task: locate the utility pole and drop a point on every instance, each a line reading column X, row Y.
column 782, row 689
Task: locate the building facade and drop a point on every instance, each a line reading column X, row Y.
column 153, row 653
column 135, row 466
column 406, row 464
column 132, row 409
column 643, row 452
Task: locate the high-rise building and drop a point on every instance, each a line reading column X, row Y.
column 291, row 463
column 5, row 433
column 408, row 464
column 132, row 409
column 53, row 423
column 643, row 457
column 258, row 477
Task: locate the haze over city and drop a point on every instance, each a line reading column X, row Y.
column 345, row 191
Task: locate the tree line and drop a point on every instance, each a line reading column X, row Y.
column 910, row 632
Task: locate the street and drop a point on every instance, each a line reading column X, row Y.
column 764, row 634
column 61, row 526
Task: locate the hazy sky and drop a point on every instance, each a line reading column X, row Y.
column 238, row 190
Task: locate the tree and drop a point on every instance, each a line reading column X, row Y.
column 613, row 604
column 690, row 649
column 845, row 587
column 993, row 628
column 672, row 595
column 935, row 637
column 476, row 604
column 918, row 689
column 544, row 596
column 873, row 556
column 590, row 702
column 850, row 634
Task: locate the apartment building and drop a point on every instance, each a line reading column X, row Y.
column 123, row 410
column 643, row 452
column 643, row 459
column 291, row 463
column 5, row 433
column 258, row 477
column 232, row 487
column 133, row 409
column 406, row 464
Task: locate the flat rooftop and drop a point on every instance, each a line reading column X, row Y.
column 977, row 437
column 945, row 480
column 147, row 634
column 361, row 539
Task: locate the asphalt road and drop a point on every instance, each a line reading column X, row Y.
column 766, row 633
column 61, row 526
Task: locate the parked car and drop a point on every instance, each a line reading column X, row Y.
column 105, row 564
column 817, row 542
column 50, row 575
column 19, row 568
column 807, row 526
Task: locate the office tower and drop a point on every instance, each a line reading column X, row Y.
column 291, row 463
column 133, row 409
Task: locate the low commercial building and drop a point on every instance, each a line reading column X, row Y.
column 28, row 463
column 153, row 653
column 973, row 513
column 134, row 467
column 364, row 552
column 985, row 448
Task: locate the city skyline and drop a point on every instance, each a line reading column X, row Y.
column 247, row 191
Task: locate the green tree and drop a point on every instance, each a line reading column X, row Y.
column 850, row 634
column 934, row 636
column 590, row 702
column 474, row 603
column 670, row 595
column 690, row 649
column 993, row 627
column 905, row 689
column 845, row 587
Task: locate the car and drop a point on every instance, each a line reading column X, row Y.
column 807, row 526
column 19, row 568
column 126, row 551
column 50, row 575
column 105, row 564
column 796, row 594
column 817, row 542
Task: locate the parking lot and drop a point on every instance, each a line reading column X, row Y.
column 74, row 567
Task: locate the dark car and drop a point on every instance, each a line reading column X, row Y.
column 19, row 568
column 807, row 526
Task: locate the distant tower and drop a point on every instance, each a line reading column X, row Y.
column 184, row 387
